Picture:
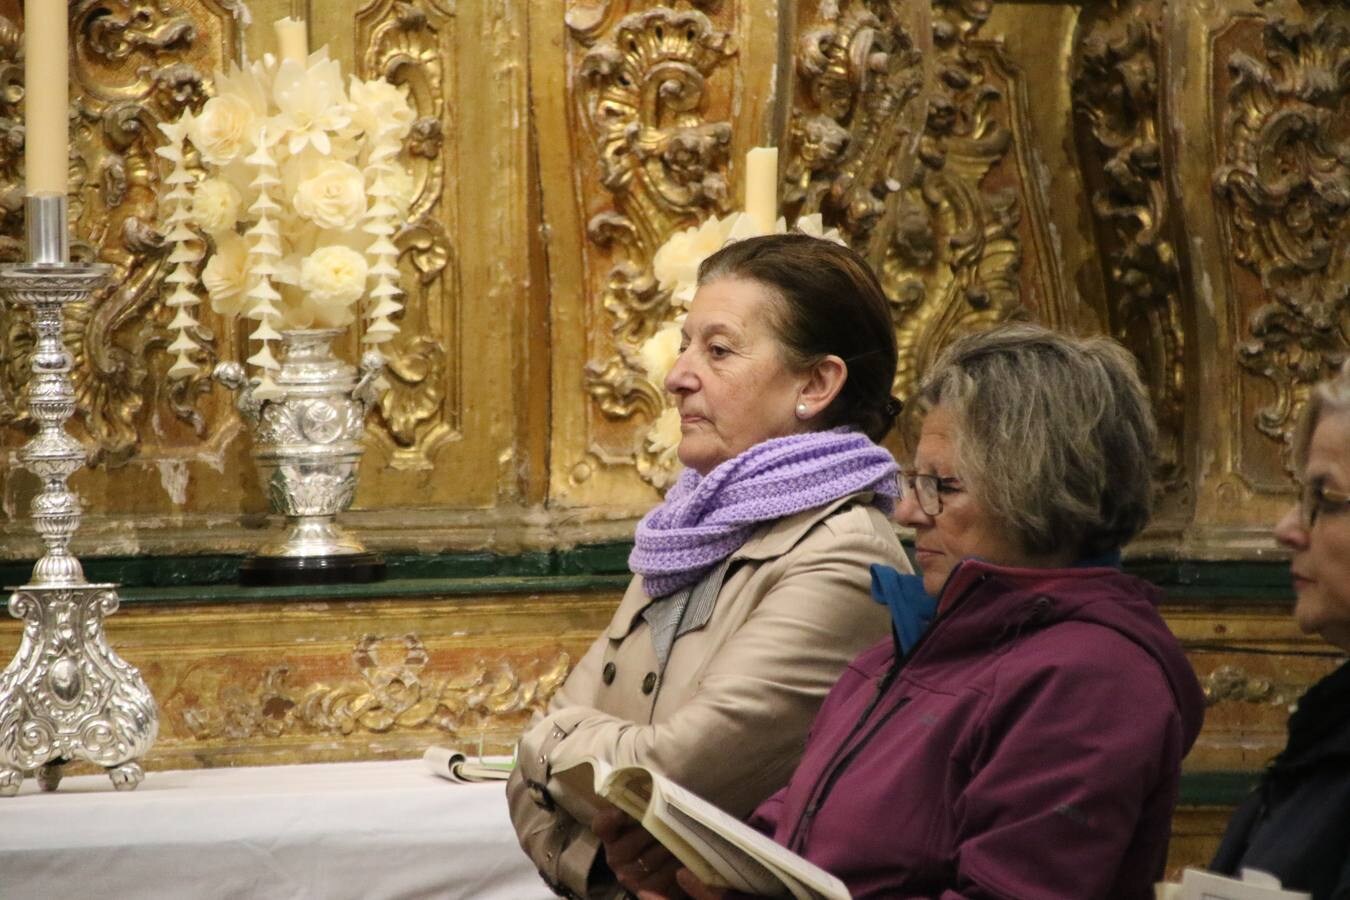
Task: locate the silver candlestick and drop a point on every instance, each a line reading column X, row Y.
column 66, row 695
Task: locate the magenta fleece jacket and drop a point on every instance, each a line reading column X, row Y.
column 1030, row 746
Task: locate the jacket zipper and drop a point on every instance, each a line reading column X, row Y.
column 845, row 753
column 834, row 772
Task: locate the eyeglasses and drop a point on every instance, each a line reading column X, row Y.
column 1316, row 498
column 927, row 489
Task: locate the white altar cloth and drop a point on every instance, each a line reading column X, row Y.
column 332, row 831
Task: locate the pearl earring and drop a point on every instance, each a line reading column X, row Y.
column 801, row 410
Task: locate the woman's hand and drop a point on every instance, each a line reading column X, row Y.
column 636, row 858
column 695, row 889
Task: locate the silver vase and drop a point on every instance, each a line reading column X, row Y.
column 307, row 444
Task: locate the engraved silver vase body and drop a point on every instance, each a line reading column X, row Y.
column 307, row 445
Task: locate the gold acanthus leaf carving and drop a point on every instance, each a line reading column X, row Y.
column 1232, row 684
column 116, row 30
column 1116, row 91
column 643, row 83
column 113, row 175
column 404, row 46
column 1286, row 183
column 945, row 247
column 393, row 693
column 852, row 147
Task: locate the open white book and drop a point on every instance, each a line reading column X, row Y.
column 462, row 769
column 1197, row 884
column 719, row 849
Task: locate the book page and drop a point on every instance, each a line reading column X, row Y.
column 802, row 878
column 1197, row 884
column 705, row 853
column 456, row 766
column 718, row 848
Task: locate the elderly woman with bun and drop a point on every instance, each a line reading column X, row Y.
column 1296, row 825
column 1021, row 732
column 751, row 587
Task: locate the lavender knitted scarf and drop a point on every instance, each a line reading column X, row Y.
column 704, row 519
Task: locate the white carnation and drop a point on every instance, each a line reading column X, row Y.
column 333, row 278
column 215, row 205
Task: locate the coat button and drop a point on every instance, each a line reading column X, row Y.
column 607, row 676
column 649, row 683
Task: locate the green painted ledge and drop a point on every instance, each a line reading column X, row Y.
column 593, row 567
column 1216, row 788
column 214, row 579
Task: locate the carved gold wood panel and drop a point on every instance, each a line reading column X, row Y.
column 1116, row 87
column 274, row 683
column 992, row 229
column 1258, row 98
column 174, row 468
column 1253, row 664
column 634, row 104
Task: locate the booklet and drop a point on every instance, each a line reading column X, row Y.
column 1197, row 884
column 721, row 850
column 461, row 769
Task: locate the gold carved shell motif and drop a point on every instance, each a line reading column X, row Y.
column 643, row 100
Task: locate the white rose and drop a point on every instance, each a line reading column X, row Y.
column 215, row 205
column 677, row 260
column 333, row 197
column 224, row 130
column 658, row 353
column 226, row 275
column 379, row 104
column 333, row 278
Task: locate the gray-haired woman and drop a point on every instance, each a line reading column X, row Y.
column 1029, row 743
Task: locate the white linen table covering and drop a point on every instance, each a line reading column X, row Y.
column 330, row 831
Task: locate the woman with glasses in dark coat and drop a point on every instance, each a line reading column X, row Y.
column 1296, row 826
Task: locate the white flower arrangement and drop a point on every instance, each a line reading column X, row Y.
column 298, row 193
column 675, row 265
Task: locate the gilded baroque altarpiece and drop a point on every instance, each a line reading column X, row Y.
column 1173, row 174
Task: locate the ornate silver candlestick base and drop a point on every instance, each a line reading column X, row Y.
column 66, row 695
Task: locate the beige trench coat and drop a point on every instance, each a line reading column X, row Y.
column 728, row 717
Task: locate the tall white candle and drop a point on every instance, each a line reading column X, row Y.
column 292, row 39
column 761, row 188
column 46, row 113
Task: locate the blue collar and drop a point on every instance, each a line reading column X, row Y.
column 913, row 609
